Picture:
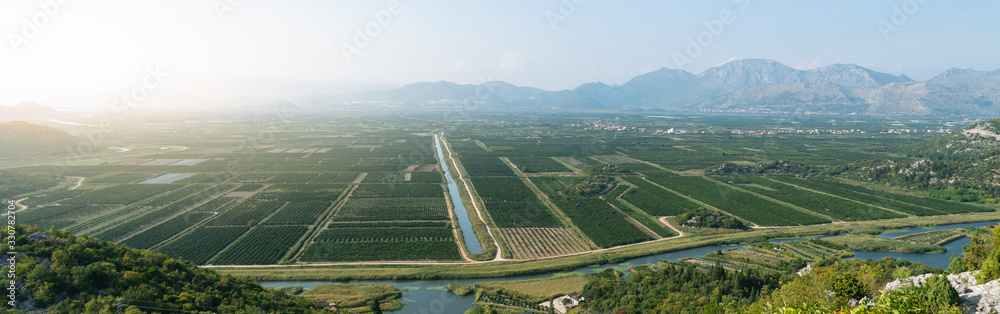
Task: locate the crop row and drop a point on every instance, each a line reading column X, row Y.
column 246, row 213
column 616, row 192
column 390, row 224
column 385, row 177
column 645, row 169
column 512, row 204
column 657, row 228
column 208, row 177
column 123, row 177
column 746, row 206
column 52, row 197
column 601, row 223
column 381, row 251
column 528, row 243
column 383, row 234
column 376, row 209
column 426, row 176
column 153, row 216
column 201, row 244
column 415, row 160
column 548, row 185
column 175, row 195
column 303, row 192
column 538, row 164
column 861, row 197
column 501, row 299
column 931, row 237
column 252, row 177
column 263, row 245
column 165, row 230
column 398, row 190
column 335, row 177
column 824, row 204
column 933, row 203
column 485, row 166
column 59, row 216
column 121, row 194
column 248, row 187
column 298, row 213
column 291, row 177
column 802, row 247
column 655, row 200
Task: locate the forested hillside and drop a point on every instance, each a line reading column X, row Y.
column 61, row 273
column 962, row 166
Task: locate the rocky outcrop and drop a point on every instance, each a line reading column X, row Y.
column 976, row 298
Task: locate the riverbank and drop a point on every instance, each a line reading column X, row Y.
column 497, row 269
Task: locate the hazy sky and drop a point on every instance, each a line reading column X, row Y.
column 88, row 51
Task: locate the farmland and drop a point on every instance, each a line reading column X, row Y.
column 368, row 187
column 511, row 203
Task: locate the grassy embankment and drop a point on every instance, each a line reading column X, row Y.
column 537, row 290
column 871, row 243
column 357, row 296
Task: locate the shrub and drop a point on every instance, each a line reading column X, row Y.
column 848, row 286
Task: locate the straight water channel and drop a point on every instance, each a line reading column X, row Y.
column 471, row 240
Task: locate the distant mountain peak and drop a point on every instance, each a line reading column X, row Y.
column 735, row 85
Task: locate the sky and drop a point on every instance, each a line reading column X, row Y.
column 70, row 54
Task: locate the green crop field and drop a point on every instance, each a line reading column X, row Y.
column 511, row 203
column 742, row 204
column 655, row 200
column 832, row 206
column 348, row 187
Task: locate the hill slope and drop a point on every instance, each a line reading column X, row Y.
column 19, row 138
column 62, row 273
column 963, row 165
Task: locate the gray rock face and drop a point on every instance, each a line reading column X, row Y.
column 38, row 236
column 976, row 298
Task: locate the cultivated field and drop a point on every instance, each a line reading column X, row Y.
column 330, row 188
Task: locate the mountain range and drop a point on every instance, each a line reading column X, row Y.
column 742, row 85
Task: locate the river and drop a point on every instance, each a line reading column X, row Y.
column 471, row 240
column 429, row 296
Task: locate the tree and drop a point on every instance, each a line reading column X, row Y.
column 848, row 286
column 991, row 265
column 940, row 292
